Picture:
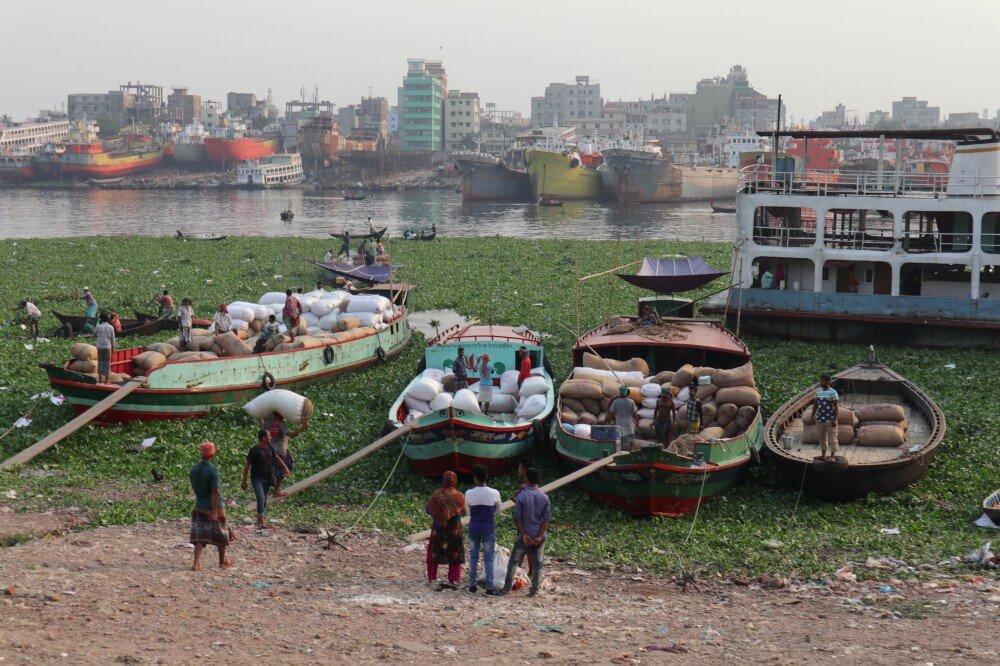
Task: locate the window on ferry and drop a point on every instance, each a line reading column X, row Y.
column 784, row 226
column 937, row 231
column 991, row 233
column 857, row 229
column 930, row 279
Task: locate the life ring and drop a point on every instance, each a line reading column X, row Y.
column 574, row 163
column 381, row 354
column 328, row 354
column 268, row 381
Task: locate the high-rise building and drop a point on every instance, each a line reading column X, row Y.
column 461, row 119
column 183, row 107
column 374, row 117
column 729, row 101
column 567, row 103
column 421, row 106
column 913, row 112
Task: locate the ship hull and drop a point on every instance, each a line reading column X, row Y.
column 562, row 176
column 493, row 181
column 187, row 153
column 104, row 165
column 633, row 177
column 229, row 151
column 17, row 174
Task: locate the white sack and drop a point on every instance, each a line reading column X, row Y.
column 277, row 297
column 244, row 311
column 324, row 306
column 646, row 413
column 534, row 386
column 329, row 322
column 533, row 406
column 502, row 403
column 367, row 303
column 366, row 318
column 413, row 404
column 649, row 403
column 305, row 301
column 508, row 382
column 441, row 401
column 240, row 325
column 291, row 405
column 411, row 417
column 632, row 378
column 425, row 389
column 433, row 373
column 581, row 430
column 310, row 319
column 651, row 390
column 318, row 294
column 466, row 400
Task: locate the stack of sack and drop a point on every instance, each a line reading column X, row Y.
column 846, row 422
column 882, row 424
column 146, row 362
column 84, row 359
column 429, row 393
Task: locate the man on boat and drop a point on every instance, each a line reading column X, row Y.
column 663, row 415
column 104, row 339
column 115, row 321
column 166, row 302
column 485, row 383
column 208, row 520
column 328, row 257
column 694, row 413
column 222, row 321
column 186, row 315
column 523, row 365
column 461, row 370
column 371, row 226
column 826, row 408
column 92, row 308
column 290, row 314
column 767, row 279
column 345, row 246
column 368, row 250
column 261, row 460
column 270, row 331
column 650, row 317
column 279, row 432
column 531, row 515
column 626, row 416
column 34, row 314
column 379, row 247
column 483, row 503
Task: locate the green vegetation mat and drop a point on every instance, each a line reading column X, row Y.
column 513, row 281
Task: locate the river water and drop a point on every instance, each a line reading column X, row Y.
column 26, row 213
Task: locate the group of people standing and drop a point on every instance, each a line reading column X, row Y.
column 624, row 413
column 448, row 505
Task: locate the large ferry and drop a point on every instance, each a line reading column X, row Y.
column 869, row 256
column 17, row 167
column 636, row 171
column 557, row 170
column 132, row 154
column 234, row 143
column 486, row 177
column 278, row 170
column 31, row 135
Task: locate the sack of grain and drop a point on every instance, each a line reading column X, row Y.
column 84, row 366
column 588, row 419
column 191, row 356
column 705, row 371
column 243, row 335
column 581, row 430
column 346, row 322
column 599, row 363
column 532, row 407
column 467, row 401
column 149, row 360
column 81, row 351
column 413, row 404
column 631, row 378
column 294, row 407
column 508, row 382
column 710, row 433
column 575, row 388
column 745, row 416
column 591, row 405
column 574, row 404
column 741, row 376
column 609, row 389
column 502, row 403
column 651, row 390
column 664, row 377
column 709, row 411
column 323, row 307
column 533, row 386
column 441, row 401
column 726, row 413
column 650, row 403
column 567, row 416
column 231, row 345
column 646, row 413
column 881, row 411
column 202, row 343
column 367, row 303
column 425, row 389
column 273, row 297
column 880, row 435
column 845, row 435
column 706, row 391
column 289, row 346
column 845, row 416
column 118, row 377
column 904, row 424
column 683, row 376
column 164, row 348
column 738, row 395
column 645, row 428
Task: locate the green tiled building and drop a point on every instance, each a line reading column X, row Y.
column 421, row 106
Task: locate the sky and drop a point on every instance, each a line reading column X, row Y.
column 815, row 53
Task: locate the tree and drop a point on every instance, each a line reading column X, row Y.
column 259, row 123
column 5, row 119
column 107, row 126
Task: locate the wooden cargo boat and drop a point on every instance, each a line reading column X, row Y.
column 170, row 323
column 991, row 507
column 654, row 480
column 861, row 469
column 184, row 389
column 374, row 235
column 455, row 439
column 129, row 326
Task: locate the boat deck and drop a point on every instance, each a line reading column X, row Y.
column 918, row 434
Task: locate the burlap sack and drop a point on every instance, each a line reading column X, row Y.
column 881, row 435
column 149, row 360
column 580, row 389
column 738, row 395
column 683, row 376
column 881, row 411
column 84, row 366
column 569, row 416
column 81, row 351
column 712, row 433
column 745, row 416
column 845, row 435
column 231, row 345
column 726, row 413
column 741, row 376
column 573, row 404
column 164, row 348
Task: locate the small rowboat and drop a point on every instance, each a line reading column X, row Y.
column 991, row 507
column 371, row 234
column 287, row 215
column 859, row 470
column 420, row 236
column 456, row 439
column 170, row 323
column 129, row 326
column 379, row 273
column 354, row 196
column 550, row 201
column 716, row 208
column 182, row 236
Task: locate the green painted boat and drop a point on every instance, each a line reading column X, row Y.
column 456, row 439
column 653, row 480
column 183, row 389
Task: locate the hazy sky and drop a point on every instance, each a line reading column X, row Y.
column 864, row 53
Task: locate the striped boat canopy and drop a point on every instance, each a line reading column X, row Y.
column 667, row 276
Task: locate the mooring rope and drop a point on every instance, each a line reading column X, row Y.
column 392, row 471
column 704, row 477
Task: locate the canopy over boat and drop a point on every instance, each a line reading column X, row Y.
column 667, row 276
column 371, row 274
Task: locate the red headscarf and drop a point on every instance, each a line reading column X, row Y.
column 446, row 502
column 207, row 449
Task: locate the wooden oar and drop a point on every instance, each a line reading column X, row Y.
column 345, row 463
column 547, row 488
column 71, row 427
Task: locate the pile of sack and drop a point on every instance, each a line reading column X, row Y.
column 847, row 420
column 332, row 311
column 508, row 404
column 882, row 424
column 85, row 362
column 729, row 398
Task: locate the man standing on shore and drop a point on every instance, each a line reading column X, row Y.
column 208, row 520
column 483, row 503
column 531, row 515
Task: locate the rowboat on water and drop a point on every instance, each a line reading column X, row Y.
column 550, row 201
column 421, row 235
column 188, row 388
column 372, row 274
column 457, row 437
column 375, row 235
column 717, row 208
column 862, row 467
column 129, row 326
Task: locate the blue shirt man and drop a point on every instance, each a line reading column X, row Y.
column 531, row 514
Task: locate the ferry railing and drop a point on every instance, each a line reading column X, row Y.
column 761, row 178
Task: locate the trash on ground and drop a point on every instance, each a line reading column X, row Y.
column 22, row 423
column 950, row 366
column 984, row 521
column 889, row 531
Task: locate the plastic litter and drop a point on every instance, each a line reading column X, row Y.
column 22, row 423
column 889, row 531
column 846, row 574
column 950, row 366
column 886, row 588
column 984, row 521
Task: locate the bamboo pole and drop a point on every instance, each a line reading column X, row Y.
column 611, row 282
column 68, row 429
column 547, row 488
column 576, row 285
column 345, row 463
column 610, row 270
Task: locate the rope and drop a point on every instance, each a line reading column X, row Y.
column 392, row 471
column 704, row 477
column 805, row 468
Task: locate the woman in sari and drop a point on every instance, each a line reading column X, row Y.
column 446, row 508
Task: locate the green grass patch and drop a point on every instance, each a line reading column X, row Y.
column 15, row 539
column 511, row 281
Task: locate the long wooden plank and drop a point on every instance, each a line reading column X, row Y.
column 464, row 327
column 345, row 463
column 547, row 488
column 71, row 427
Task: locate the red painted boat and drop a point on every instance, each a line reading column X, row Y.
column 136, row 153
column 221, row 150
column 16, row 168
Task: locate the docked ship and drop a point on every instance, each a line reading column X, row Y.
column 17, row 167
column 557, row 170
column 278, row 170
column 234, row 143
column 879, row 256
column 635, row 171
column 486, row 177
column 133, row 153
column 320, row 140
column 30, row 136
column 189, row 146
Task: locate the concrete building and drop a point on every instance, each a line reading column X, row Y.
column 498, row 128
column 568, row 103
column 348, row 119
column 913, row 112
column 239, row 104
column 132, row 103
column 209, row 116
column 835, row 119
column 394, row 121
column 876, row 118
column 461, row 119
column 728, row 101
column 183, row 107
column 965, row 119
column 374, row 120
column 655, row 115
column 88, row 105
column 421, row 106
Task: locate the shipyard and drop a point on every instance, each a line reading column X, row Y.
column 460, row 333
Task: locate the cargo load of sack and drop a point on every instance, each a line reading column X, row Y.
column 730, row 400
column 510, row 405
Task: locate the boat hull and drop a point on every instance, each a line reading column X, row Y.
column 189, row 153
column 492, row 181
column 834, row 484
column 17, row 174
column 191, row 388
column 105, row 165
column 562, row 176
column 636, row 177
column 229, row 151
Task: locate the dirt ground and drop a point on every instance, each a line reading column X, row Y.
column 125, row 595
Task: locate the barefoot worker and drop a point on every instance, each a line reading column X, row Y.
column 92, row 308
column 34, row 314
column 531, row 515
column 104, row 338
column 186, row 315
column 446, row 508
column 485, row 383
column 166, row 303
column 260, row 460
column 208, row 520
column 826, row 407
column 279, row 432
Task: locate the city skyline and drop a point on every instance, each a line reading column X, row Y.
column 504, row 61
